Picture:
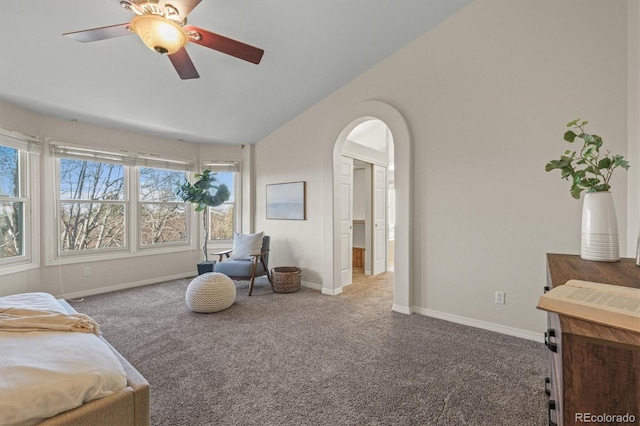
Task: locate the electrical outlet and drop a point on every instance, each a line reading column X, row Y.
column 87, row 271
column 500, row 297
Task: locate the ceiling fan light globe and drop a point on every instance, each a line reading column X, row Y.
column 159, row 34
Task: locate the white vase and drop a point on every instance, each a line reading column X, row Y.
column 599, row 228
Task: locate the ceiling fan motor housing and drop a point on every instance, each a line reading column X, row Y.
column 159, row 34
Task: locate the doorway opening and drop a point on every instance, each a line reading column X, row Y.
column 334, row 247
column 368, row 151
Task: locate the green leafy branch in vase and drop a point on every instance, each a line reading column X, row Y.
column 589, row 169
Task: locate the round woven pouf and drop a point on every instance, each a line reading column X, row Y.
column 210, row 292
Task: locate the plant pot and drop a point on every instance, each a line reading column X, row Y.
column 599, row 228
column 205, row 267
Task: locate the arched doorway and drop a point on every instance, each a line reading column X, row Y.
column 360, row 113
column 368, row 164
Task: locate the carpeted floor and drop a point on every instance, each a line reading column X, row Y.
column 309, row 359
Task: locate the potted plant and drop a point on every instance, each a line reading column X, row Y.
column 590, row 170
column 204, row 193
column 587, row 170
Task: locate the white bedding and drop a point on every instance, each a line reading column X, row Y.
column 43, row 373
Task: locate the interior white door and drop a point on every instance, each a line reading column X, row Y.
column 379, row 234
column 346, row 220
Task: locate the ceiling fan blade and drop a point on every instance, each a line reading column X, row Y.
column 183, row 64
column 226, row 45
column 101, row 33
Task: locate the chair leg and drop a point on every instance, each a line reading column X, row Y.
column 251, row 285
column 253, row 276
column 264, row 265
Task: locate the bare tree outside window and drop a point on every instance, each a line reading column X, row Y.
column 222, row 217
column 11, row 205
column 163, row 216
column 96, row 210
column 222, row 222
column 92, row 205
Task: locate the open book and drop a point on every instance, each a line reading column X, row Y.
column 607, row 304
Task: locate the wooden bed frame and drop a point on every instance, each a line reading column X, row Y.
column 127, row 407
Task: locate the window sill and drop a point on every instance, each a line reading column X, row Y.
column 115, row 255
column 14, row 269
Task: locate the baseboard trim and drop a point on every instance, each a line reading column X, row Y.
column 402, row 309
column 93, row 292
column 109, row 289
column 312, row 286
column 329, row 292
column 498, row 328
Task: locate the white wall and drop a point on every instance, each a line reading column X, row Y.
column 486, row 94
column 69, row 280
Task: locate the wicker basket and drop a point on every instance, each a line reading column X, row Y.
column 286, row 279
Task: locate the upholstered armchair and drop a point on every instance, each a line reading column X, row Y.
column 248, row 259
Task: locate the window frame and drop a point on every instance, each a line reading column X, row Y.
column 235, row 168
column 126, row 201
column 188, row 215
column 131, row 161
column 28, row 148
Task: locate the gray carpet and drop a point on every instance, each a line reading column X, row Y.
column 309, row 359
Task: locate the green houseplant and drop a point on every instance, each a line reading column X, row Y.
column 204, row 193
column 589, row 169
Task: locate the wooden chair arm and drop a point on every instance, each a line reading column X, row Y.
column 262, row 253
column 260, row 258
column 223, row 253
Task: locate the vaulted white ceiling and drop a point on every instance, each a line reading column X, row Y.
column 312, row 48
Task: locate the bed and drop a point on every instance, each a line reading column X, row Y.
column 56, row 369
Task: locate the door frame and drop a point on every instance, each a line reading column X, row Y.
column 399, row 129
column 346, row 276
column 378, row 241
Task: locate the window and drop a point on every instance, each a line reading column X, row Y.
column 224, row 218
column 162, row 215
column 92, row 205
column 12, row 224
column 18, row 160
column 110, row 202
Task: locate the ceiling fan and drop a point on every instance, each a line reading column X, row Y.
column 162, row 26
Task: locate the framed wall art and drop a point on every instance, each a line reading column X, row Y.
column 287, row 201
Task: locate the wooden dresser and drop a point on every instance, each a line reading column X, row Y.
column 594, row 370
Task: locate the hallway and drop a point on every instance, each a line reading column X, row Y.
column 371, row 288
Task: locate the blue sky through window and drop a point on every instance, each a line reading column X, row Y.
column 8, row 171
column 227, row 179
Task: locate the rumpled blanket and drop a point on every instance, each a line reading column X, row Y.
column 44, row 371
column 22, row 319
